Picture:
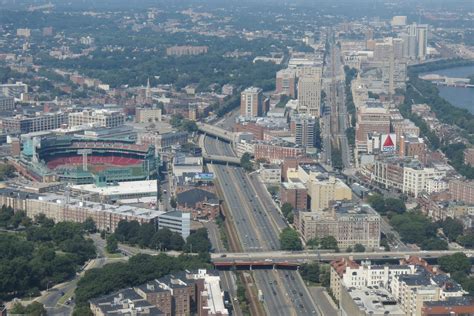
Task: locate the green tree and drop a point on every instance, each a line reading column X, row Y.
column 452, row 228
column 112, row 244
column 145, row 234
column 189, row 126
column 395, row 205
column 173, row 202
column 198, row 242
column 245, row 162
column 413, row 227
column 325, row 275
column 6, row 213
column 377, row 202
column 289, row 240
column 161, row 239
column 457, row 262
column 329, row 242
column 310, row 272
column 286, row 209
column 290, row 218
column 467, row 240
column 137, row 270
column 6, row 171
column 176, row 241
column 89, row 225
column 434, row 244
column 359, row 248
column 82, row 310
column 33, row 309
column 313, row 243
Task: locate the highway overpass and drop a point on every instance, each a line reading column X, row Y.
column 216, row 131
column 299, row 257
column 221, row 159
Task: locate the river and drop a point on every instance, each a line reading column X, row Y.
column 460, row 97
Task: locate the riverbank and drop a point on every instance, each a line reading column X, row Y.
column 457, row 96
column 430, row 94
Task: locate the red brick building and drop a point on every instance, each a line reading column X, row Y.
column 275, row 153
column 453, row 306
column 462, row 191
column 469, row 157
column 412, row 147
column 294, row 193
column 250, row 127
column 286, row 82
column 202, row 204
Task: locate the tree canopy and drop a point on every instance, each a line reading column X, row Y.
column 416, row 228
column 245, row 162
column 148, row 236
column 386, row 206
column 329, row 242
column 289, row 240
column 137, row 270
column 49, row 254
column 455, row 262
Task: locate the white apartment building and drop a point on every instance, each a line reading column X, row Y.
column 309, row 95
column 104, row 118
column 405, row 174
column 415, row 180
column 14, row 90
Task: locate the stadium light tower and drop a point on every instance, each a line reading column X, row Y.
column 84, row 153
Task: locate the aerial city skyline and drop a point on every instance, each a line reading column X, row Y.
column 218, row 158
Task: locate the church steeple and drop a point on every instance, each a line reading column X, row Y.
column 148, row 89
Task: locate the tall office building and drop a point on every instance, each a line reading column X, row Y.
column 409, row 39
column 251, row 102
column 397, row 48
column 372, row 117
column 309, row 95
column 286, row 82
column 415, row 41
column 304, row 129
column 384, row 50
column 422, row 40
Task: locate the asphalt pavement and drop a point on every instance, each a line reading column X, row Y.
column 258, row 223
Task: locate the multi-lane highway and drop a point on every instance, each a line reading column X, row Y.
column 258, row 223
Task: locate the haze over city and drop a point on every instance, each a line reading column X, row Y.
column 218, row 158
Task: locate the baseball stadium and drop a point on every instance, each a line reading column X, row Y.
column 79, row 160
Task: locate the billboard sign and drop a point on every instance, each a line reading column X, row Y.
column 388, row 142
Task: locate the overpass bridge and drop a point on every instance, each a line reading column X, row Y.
column 255, row 265
column 216, row 131
column 221, row 159
column 296, row 258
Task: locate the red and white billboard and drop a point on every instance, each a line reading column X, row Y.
column 388, row 142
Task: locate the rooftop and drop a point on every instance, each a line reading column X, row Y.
column 293, row 185
column 252, row 90
column 213, row 291
column 193, row 196
column 126, row 302
column 375, row 301
column 452, row 301
column 125, row 210
column 419, row 279
column 120, row 188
